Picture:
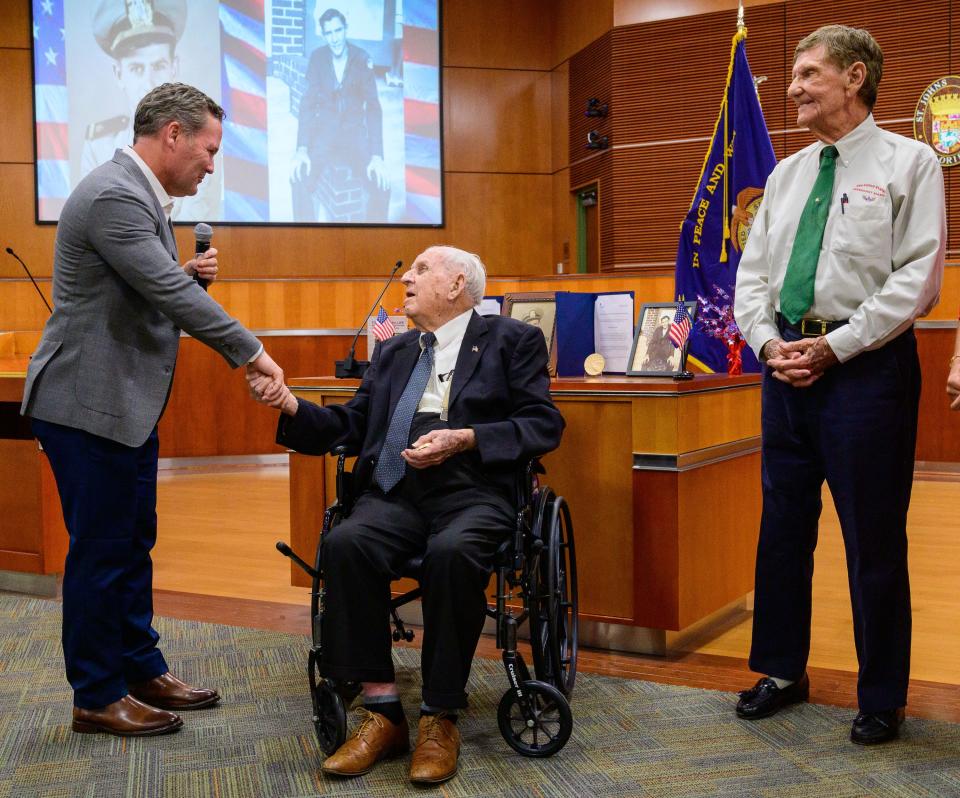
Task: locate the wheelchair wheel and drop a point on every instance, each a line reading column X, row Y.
column 553, row 599
column 542, row 727
column 564, row 601
column 329, row 710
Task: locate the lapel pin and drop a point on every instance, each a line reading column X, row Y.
column 475, row 349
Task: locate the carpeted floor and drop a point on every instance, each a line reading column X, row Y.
column 631, row 738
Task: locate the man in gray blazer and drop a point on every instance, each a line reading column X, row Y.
column 97, row 386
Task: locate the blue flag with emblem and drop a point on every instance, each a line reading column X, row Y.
column 715, row 229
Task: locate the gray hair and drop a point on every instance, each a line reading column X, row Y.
column 846, row 46
column 474, row 272
column 174, row 102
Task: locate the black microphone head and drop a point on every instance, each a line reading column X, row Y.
column 203, row 233
column 399, row 264
column 9, row 250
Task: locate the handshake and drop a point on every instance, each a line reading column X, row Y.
column 265, row 381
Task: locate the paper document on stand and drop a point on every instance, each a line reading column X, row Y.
column 613, row 330
column 489, row 306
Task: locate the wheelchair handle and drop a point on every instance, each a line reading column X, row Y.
column 286, row 551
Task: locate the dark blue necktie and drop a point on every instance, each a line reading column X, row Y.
column 391, row 466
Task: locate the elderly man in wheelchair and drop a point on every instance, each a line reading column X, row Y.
column 443, row 419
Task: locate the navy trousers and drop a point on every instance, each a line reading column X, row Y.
column 109, row 494
column 855, row 427
column 457, row 520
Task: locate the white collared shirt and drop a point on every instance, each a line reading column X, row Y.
column 165, row 200
column 881, row 261
column 445, row 352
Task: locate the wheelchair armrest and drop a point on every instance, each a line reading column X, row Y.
column 344, row 478
column 527, row 482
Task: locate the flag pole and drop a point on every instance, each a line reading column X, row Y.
column 684, row 373
column 740, row 23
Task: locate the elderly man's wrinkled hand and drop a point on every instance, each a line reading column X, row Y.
column 801, row 363
column 438, row 445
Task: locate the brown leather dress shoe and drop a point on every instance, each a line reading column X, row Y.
column 375, row 738
column 125, row 718
column 438, row 747
column 168, row 692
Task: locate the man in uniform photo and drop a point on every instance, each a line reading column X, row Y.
column 141, row 36
column 340, row 133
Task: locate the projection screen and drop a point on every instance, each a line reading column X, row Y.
column 333, row 106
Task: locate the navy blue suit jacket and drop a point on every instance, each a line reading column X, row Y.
column 500, row 389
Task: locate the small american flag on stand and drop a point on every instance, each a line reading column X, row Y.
column 680, row 326
column 383, row 327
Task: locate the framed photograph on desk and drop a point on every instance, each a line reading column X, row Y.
column 655, row 352
column 539, row 309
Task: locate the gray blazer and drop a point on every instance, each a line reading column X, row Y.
column 106, row 358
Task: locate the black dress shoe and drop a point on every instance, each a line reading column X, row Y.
column 870, row 728
column 765, row 698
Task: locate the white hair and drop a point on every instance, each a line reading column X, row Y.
column 474, row 272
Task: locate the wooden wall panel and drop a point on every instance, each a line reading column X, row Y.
column 590, row 76
column 564, row 222
column 633, row 12
column 656, row 519
column 16, row 143
column 594, row 443
column 15, row 23
column 577, row 24
column 644, row 233
column 342, row 303
column 559, row 117
column 210, row 412
column 500, row 34
column 506, row 219
column 717, row 546
column 658, row 98
column 20, row 491
column 514, row 106
column 308, row 500
column 32, row 242
column 938, row 433
column 20, row 307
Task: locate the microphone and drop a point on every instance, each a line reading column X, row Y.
column 203, row 233
column 348, row 367
column 15, row 255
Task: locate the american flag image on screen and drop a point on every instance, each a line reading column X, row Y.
column 680, row 326
column 382, row 326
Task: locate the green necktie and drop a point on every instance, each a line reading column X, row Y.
column 796, row 296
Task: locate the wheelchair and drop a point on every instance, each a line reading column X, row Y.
column 536, row 565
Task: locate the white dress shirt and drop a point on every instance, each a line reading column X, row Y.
column 881, row 261
column 436, row 395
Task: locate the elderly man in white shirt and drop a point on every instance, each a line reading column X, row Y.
column 845, row 253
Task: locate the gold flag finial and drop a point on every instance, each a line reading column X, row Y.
column 740, row 23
